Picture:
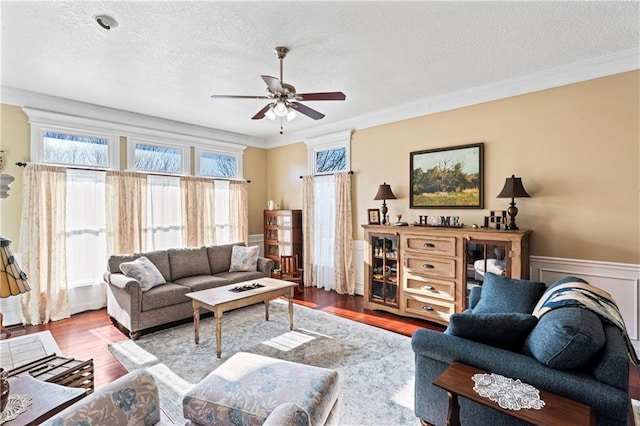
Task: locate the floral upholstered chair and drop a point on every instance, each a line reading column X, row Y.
column 130, row 400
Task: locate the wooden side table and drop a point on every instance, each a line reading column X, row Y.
column 48, row 399
column 457, row 380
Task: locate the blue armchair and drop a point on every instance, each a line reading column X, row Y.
column 600, row 382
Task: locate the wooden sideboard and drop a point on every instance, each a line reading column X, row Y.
column 427, row 272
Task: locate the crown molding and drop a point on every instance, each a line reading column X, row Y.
column 112, row 118
column 628, row 60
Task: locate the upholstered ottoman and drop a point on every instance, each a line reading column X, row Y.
column 247, row 388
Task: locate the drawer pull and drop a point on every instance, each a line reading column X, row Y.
column 427, row 287
column 428, row 245
column 427, row 266
column 427, row 308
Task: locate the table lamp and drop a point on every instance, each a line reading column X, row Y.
column 513, row 189
column 384, row 194
column 12, row 280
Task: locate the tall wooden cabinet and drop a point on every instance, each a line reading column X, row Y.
column 434, row 268
column 282, row 234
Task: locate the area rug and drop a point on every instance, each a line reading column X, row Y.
column 375, row 366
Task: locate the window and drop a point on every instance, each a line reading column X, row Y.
column 223, row 161
column 86, row 227
column 329, row 154
column 156, row 157
column 164, row 213
column 66, row 148
column 331, row 160
column 218, row 165
column 222, row 215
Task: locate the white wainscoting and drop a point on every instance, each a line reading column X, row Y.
column 621, row 280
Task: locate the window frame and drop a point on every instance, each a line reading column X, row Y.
column 37, row 144
column 327, row 143
column 219, row 149
column 183, row 147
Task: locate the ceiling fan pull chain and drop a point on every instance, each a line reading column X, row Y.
column 281, row 125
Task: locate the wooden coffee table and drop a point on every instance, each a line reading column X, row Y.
column 457, row 380
column 221, row 299
column 48, row 399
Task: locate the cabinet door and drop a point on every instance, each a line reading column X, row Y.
column 384, row 270
column 484, row 256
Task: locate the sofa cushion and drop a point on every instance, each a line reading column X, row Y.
column 187, row 262
column 567, row 337
column 503, row 330
column 202, row 282
column 238, row 277
column 165, row 295
column 502, row 294
column 220, row 257
column 244, row 259
column 160, row 258
column 143, row 271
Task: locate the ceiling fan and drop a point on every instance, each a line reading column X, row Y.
column 284, row 101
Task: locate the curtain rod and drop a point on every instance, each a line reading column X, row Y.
column 21, row 164
column 350, row 172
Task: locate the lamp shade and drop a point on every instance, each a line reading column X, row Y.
column 12, row 280
column 384, row 193
column 513, row 188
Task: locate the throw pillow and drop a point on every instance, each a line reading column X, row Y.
column 566, row 338
column 502, row 294
column 144, row 271
column 244, row 259
column 502, row 330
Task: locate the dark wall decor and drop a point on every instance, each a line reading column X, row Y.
column 448, row 177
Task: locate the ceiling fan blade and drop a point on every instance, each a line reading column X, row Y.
column 309, row 112
column 238, row 97
column 273, row 83
column 321, row 96
column 260, row 114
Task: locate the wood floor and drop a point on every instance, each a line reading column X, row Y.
column 86, row 335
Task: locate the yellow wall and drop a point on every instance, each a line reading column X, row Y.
column 14, row 139
column 285, row 165
column 576, row 147
column 255, row 170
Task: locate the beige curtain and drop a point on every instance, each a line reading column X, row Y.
column 239, row 211
column 343, row 254
column 43, row 244
column 307, row 230
column 126, row 194
column 198, row 211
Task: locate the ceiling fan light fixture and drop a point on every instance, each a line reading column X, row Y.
column 291, row 114
column 280, row 109
column 270, row 114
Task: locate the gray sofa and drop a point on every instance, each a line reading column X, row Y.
column 185, row 270
column 601, row 381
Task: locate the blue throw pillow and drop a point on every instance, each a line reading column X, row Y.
column 565, row 338
column 502, row 294
column 503, row 330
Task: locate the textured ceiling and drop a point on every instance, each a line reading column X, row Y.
column 166, row 58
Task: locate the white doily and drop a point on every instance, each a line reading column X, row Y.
column 508, row 393
column 16, row 405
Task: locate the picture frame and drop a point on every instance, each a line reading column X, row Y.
column 374, row 216
column 447, row 178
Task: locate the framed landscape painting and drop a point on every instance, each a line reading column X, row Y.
column 447, row 177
